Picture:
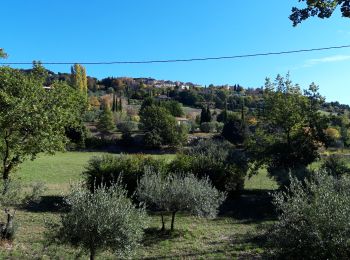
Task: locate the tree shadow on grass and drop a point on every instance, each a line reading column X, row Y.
column 53, row 204
column 252, row 206
column 155, row 235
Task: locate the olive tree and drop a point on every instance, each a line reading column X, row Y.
column 314, row 219
column 105, row 219
column 176, row 192
column 33, row 119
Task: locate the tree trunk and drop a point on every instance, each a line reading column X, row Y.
column 5, row 178
column 172, row 220
column 92, row 253
column 163, row 224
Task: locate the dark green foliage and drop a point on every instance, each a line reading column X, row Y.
column 103, row 220
column 147, row 102
column 223, row 116
column 127, row 128
column 211, row 127
column 314, row 219
column 160, row 127
column 336, row 166
column 189, row 98
column 205, row 115
column 321, row 8
column 106, row 170
column 234, row 131
column 219, row 161
column 106, row 123
column 175, row 192
column 174, row 108
column 114, row 103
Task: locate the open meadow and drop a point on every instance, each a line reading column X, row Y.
column 232, row 235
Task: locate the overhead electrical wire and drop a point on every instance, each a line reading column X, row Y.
column 183, row 60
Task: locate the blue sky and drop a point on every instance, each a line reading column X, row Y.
column 108, row 30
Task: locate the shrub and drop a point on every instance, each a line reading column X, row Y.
column 314, row 220
column 105, row 219
column 208, row 127
column 335, row 166
column 173, row 193
column 217, row 160
column 127, row 127
column 107, row 169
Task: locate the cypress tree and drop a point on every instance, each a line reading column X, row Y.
column 120, row 108
column 114, row 109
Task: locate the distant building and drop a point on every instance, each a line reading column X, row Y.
column 182, row 120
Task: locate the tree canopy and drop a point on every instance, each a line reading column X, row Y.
column 290, row 132
column 33, row 119
column 320, row 8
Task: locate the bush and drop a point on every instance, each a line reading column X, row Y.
column 173, row 193
column 105, row 219
column 335, row 166
column 107, row 169
column 217, row 160
column 314, row 220
column 127, row 127
column 208, row 127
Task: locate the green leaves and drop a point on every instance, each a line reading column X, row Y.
column 105, row 219
column 321, row 8
column 314, row 219
column 32, row 119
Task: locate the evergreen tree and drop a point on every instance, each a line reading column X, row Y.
column 113, row 103
column 120, row 105
column 106, row 124
column 205, row 115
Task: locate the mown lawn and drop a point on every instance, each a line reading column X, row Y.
column 231, row 235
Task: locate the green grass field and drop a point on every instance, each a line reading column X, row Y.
column 229, row 236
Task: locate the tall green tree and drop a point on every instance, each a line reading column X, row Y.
column 160, row 127
column 106, row 122
column 33, row 120
column 320, row 8
column 290, row 130
column 205, row 114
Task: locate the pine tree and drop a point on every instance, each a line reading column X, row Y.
column 106, row 123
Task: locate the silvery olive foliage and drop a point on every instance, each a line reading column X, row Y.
column 179, row 192
column 314, row 220
column 105, row 219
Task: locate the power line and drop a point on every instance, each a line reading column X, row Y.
column 184, row 60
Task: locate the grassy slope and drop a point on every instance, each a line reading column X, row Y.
column 225, row 237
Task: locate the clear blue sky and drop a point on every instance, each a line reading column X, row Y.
column 107, row 30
